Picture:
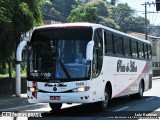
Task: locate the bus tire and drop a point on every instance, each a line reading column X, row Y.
column 104, row 104
column 139, row 95
column 55, row 106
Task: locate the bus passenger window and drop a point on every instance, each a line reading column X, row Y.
column 127, row 50
column 140, row 49
column 149, row 52
column 109, row 43
column 118, row 45
column 134, row 48
column 145, row 51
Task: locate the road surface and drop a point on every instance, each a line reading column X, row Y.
column 123, row 107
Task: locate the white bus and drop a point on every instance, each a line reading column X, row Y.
column 86, row 63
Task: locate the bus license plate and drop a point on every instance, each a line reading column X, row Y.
column 54, row 97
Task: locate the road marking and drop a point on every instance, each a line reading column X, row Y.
column 121, row 109
column 157, row 109
column 149, row 99
column 39, row 109
column 20, row 107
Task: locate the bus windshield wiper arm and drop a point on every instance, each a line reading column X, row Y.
column 64, row 68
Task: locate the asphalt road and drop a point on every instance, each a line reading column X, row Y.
column 124, row 108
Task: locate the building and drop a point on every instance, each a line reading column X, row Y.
column 154, row 30
column 84, row 0
column 48, row 22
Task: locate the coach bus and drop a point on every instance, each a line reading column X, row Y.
column 86, row 63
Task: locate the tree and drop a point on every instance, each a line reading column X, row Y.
column 123, row 15
column 101, row 5
column 16, row 18
column 67, row 6
column 120, row 12
column 134, row 24
column 53, row 9
column 108, row 22
column 88, row 14
column 75, row 16
column 46, row 6
column 113, row 2
column 48, row 9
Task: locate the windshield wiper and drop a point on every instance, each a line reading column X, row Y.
column 64, row 68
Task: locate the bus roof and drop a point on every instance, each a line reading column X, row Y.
column 93, row 25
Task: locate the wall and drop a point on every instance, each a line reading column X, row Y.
column 156, row 73
column 7, row 86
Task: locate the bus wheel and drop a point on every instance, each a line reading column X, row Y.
column 141, row 90
column 55, row 106
column 104, row 104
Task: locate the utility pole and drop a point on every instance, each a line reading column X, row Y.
column 146, row 25
column 146, row 29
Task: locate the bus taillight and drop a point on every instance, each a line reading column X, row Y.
column 34, row 93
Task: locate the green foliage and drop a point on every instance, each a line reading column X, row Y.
column 5, row 11
column 67, row 5
column 95, row 11
column 123, row 15
column 46, row 6
column 88, row 14
column 135, row 24
column 53, row 11
column 113, row 2
column 108, row 22
column 101, row 5
column 26, row 17
column 48, row 9
column 75, row 15
column 23, row 74
column 34, row 7
column 58, row 10
column 120, row 12
column 16, row 18
column 120, row 16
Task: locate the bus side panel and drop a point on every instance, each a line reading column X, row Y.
column 125, row 74
column 148, row 80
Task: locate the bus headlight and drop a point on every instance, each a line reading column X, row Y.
column 32, row 89
column 81, row 89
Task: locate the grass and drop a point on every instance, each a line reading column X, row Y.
column 23, row 74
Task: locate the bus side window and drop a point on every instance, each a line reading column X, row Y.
column 145, row 51
column 127, row 47
column 109, row 43
column 141, row 49
column 118, row 45
column 134, row 48
column 98, row 52
column 149, row 52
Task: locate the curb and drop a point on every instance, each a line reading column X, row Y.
column 15, row 100
column 12, row 99
column 155, row 78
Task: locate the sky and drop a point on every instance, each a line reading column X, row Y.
column 136, row 5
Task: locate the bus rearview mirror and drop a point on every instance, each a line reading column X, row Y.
column 89, row 51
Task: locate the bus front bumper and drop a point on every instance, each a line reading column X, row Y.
column 75, row 97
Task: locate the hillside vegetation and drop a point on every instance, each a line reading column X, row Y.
column 121, row 16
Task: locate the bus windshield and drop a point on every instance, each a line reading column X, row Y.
column 59, row 53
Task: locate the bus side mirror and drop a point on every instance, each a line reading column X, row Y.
column 89, row 51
